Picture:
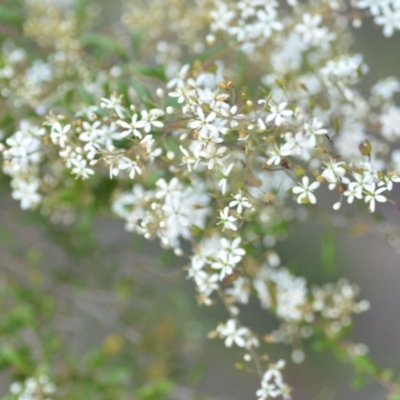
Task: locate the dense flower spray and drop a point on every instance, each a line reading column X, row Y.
column 206, row 154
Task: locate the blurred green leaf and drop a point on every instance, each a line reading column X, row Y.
column 154, row 390
column 157, row 72
column 11, row 16
column 102, row 44
column 154, row 177
column 358, row 381
column 142, row 92
column 84, row 95
column 81, row 11
column 11, row 357
column 210, row 52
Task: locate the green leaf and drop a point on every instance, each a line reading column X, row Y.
column 102, row 44
column 137, row 41
column 365, row 364
column 154, row 390
column 84, row 95
column 154, row 177
column 10, row 16
column 210, row 52
column 81, row 11
column 143, row 93
column 157, row 72
column 358, row 381
column 11, row 357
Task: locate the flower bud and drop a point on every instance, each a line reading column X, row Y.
column 365, row 148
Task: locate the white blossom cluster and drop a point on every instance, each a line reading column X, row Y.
column 384, row 12
column 40, row 388
column 272, row 384
column 207, row 161
column 170, row 212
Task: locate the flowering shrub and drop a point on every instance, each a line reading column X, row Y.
column 211, row 127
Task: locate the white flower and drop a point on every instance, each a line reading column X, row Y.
column 240, row 291
column 304, row 190
column 373, row 194
column 176, row 212
column 195, row 271
column 58, row 134
column 267, row 22
column 131, row 166
column 27, row 192
column 221, row 17
column 203, row 122
column 314, row 128
column 276, row 153
column 182, row 93
column 388, row 180
column 309, row 26
column 214, row 154
column 233, row 334
column 333, row 171
column 278, row 114
column 80, row 168
column 224, row 264
column 373, row 5
column 149, row 119
column 19, row 142
column 354, row 190
column 390, row 19
column 207, row 283
column 228, row 257
column 188, row 159
column 91, row 134
column 132, row 127
column 240, row 202
column 227, row 220
column 223, row 182
column 113, row 103
column 232, row 249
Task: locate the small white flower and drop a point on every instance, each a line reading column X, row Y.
column 304, row 190
column 276, row 153
column 149, row 119
column 390, row 19
column 354, row 190
column 58, row 134
column 227, row 220
column 113, row 103
column 233, row 334
column 240, row 202
column 373, row 194
column 278, row 114
column 313, row 129
column 80, row 168
column 130, row 166
column 223, row 182
column 203, row 123
column 131, row 127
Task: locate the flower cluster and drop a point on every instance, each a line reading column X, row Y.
column 272, row 384
column 33, row 389
column 198, row 153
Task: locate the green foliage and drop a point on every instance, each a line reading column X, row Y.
column 142, row 92
column 101, row 45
